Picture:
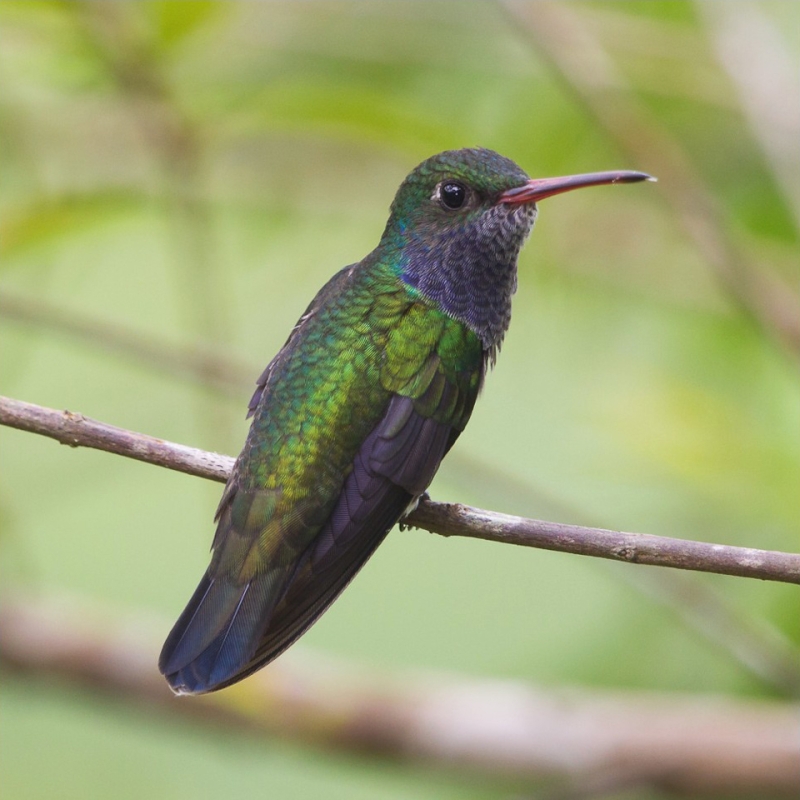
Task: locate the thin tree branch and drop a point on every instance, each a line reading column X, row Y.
column 76, row 430
column 504, row 729
column 447, row 519
column 751, row 640
column 450, row 519
column 756, row 645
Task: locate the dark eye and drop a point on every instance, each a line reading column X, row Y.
column 453, row 195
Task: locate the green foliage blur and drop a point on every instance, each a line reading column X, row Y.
column 194, row 172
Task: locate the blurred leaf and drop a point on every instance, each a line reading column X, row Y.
column 175, row 20
column 48, row 219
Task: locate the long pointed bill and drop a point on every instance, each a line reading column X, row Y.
column 539, row 188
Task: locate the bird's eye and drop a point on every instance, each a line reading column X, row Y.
column 452, row 195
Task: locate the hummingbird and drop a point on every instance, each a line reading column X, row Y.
column 353, row 416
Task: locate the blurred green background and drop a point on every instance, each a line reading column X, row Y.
column 192, row 173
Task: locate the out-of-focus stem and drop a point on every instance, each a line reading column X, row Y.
column 679, row 743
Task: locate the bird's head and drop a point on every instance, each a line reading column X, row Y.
column 456, row 227
column 456, row 195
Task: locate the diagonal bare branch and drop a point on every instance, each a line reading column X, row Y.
column 751, row 640
column 445, row 519
column 757, row 646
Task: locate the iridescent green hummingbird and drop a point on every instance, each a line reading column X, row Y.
column 354, row 415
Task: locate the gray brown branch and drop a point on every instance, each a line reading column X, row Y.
column 503, row 729
column 442, row 518
column 755, row 644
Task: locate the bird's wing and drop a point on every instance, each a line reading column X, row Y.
column 280, row 561
column 393, row 467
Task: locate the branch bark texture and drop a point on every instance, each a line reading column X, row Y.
column 445, row 519
column 680, row 743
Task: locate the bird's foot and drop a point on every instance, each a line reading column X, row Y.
column 411, row 508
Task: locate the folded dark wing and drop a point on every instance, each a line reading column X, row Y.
column 395, row 465
column 230, row 629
